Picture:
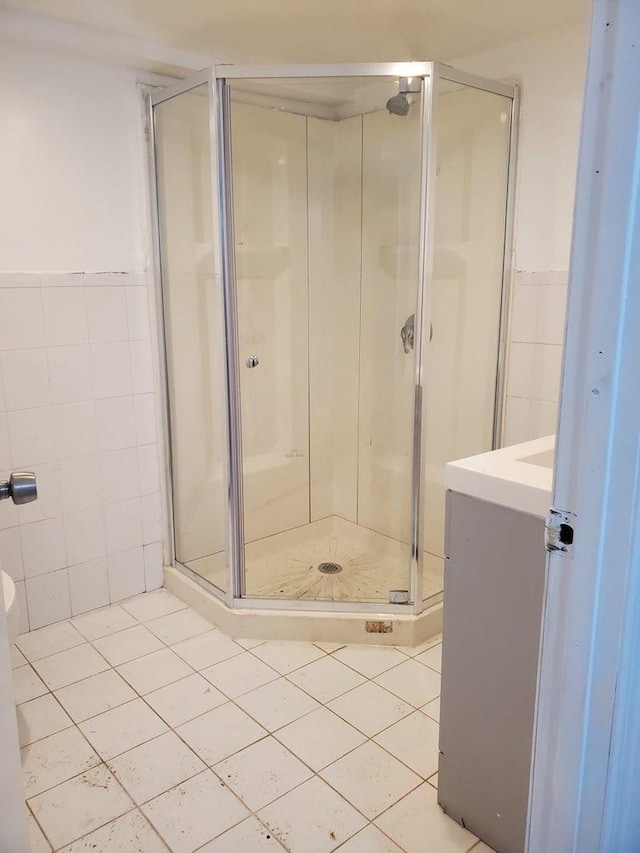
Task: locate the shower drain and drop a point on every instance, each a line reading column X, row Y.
column 329, row 568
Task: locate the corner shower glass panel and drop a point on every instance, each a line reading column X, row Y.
column 473, row 130
column 194, row 334
column 326, row 198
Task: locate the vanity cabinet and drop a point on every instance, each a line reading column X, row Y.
column 493, row 597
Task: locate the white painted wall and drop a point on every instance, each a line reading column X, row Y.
column 77, row 397
column 70, row 164
column 550, row 68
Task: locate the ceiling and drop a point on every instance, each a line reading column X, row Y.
column 265, row 31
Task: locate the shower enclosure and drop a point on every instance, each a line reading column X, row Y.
column 333, row 250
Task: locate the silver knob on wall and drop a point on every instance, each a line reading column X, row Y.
column 21, row 487
column 252, row 361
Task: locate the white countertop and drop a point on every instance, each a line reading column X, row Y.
column 520, row 476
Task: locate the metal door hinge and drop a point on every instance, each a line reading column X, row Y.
column 559, row 531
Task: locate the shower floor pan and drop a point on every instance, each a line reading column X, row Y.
column 364, row 566
column 287, row 566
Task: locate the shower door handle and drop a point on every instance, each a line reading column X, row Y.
column 252, row 361
column 407, row 333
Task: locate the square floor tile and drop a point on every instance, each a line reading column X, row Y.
column 185, row 699
column 250, row 836
column 432, row 709
column 38, row 842
column 320, row 738
column 195, row 812
column 482, row 848
column 127, row 645
column 17, row 658
column 131, row 833
column 55, row 759
column 433, row 780
column 40, row 718
column 370, row 778
column 178, row 626
column 154, row 671
column 151, row 605
column 207, row 649
column 286, row 656
column 47, row 641
column 432, row 658
column 69, row 666
column 370, row 708
column 155, row 766
column 27, row 684
column 411, row 681
column 417, row 817
column 312, row 818
column 275, row 704
column 220, row 733
column 370, row 840
column 101, row 623
column 122, row 728
column 370, row 660
column 262, row 772
column 249, row 644
column 414, row 741
column 413, row 651
column 95, row 695
column 326, row 678
column 80, row 805
column 239, row 674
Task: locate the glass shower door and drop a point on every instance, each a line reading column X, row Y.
column 326, row 200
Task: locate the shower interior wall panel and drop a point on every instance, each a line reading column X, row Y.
column 335, row 249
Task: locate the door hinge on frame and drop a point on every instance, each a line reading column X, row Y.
column 559, row 531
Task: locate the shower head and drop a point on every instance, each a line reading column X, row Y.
column 398, row 105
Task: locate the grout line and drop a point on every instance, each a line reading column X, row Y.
column 96, row 828
column 268, row 734
column 31, row 812
column 101, row 762
column 175, row 785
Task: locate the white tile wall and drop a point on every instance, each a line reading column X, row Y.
column 538, row 311
column 78, row 406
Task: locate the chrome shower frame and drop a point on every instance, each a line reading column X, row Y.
column 215, row 77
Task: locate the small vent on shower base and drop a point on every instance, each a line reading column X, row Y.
column 329, row 568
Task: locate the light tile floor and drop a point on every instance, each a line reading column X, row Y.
column 143, row 728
